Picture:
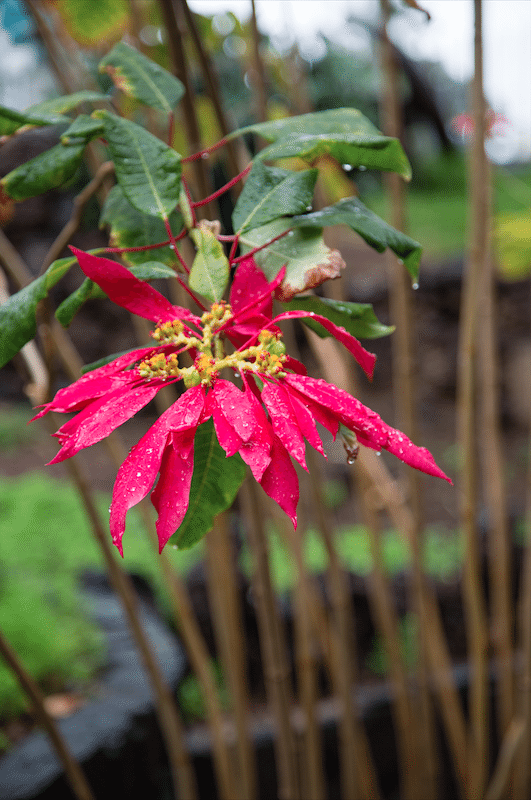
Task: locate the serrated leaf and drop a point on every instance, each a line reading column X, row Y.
column 131, row 228
column 377, row 233
column 17, row 315
column 148, row 171
column 139, row 77
column 210, row 271
column 89, row 290
column 358, row 319
column 48, row 170
column 58, row 105
column 343, row 133
column 83, row 127
column 308, row 260
column 215, row 482
column 270, row 193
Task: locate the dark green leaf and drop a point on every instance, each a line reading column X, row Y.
column 210, row 271
column 83, row 127
column 17, row 315
column 11, row 121
column 308, row 260
column 375, row 231
column 142, row 78
column 58, row 105
column 105, row 360
column 215, row 482
column 46, row 171
column 132, row 228
column 343, row 133
column 270, row 193
column 148, row 171
column 358, row 319
column 89, row 290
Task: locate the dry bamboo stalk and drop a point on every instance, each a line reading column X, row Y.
column 477, row 634
column 502, row 770
column 405, row 400
column 260, row 82
column 74, row 773
column 180, row 766
column 490, row 450
column 169, row 10
column 226, row 616
column 522, row 785
column 311, row 750
column 272, row 644
column 213, row 85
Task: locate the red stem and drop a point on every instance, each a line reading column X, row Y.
column 223, row 189
column 261, row 247
column 135, row 249
column 206, row 152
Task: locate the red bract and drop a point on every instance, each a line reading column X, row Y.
column 267, row 422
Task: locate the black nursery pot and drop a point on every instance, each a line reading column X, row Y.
column 115, row 736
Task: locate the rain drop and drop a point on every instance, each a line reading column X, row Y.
column 362, row 167
column 204, row 155
column 415, row 286
column 138, row 474
column 347, row 167
column 379, row 453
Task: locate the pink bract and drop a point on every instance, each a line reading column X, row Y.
column 267, row 422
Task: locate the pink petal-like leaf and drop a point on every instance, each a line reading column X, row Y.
column 284, row 421
column 365, row 359
column 172, row 492
column 306, row 423
column 137, row 474
column 127, row 291
column 93, row 384
column 102, row 416
column 235, row 407
column 418, row 457
column 280, row 481
column 250, row 287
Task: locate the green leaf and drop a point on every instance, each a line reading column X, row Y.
column 94, row 25
column 11, row 120
column 105, row 360
column 210, row 271
column 215, row 482
column 83, row 127
column 46, row 171
column 343, row 133
column 17, row 315
column 132, row 228
column 270, row 193
column 148, row 171
column 58, row 105
column 139, row 77
column 308, row 260
column 358, row 319
column 89, row 290
column 377, row 233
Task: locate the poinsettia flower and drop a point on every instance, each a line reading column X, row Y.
column 267, row 422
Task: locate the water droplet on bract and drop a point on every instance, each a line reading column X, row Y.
column 351, row 460
column 379, row 453
column 138, row 474
column 415, row 286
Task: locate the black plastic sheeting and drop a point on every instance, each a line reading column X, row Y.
column 115, row 736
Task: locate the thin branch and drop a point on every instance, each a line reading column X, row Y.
column 74, row 773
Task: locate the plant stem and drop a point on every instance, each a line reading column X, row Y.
column 272, row 644
column 74, row 773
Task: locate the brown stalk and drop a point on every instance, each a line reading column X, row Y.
column 260, row 75
column 313, row 784
column 212, row 83
column 490, row 450
column 405, row 396
column 180, row 70
column 73, row 771
column 180, row 766
column 272, row 644
column 228, row 629
column 476, row 620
